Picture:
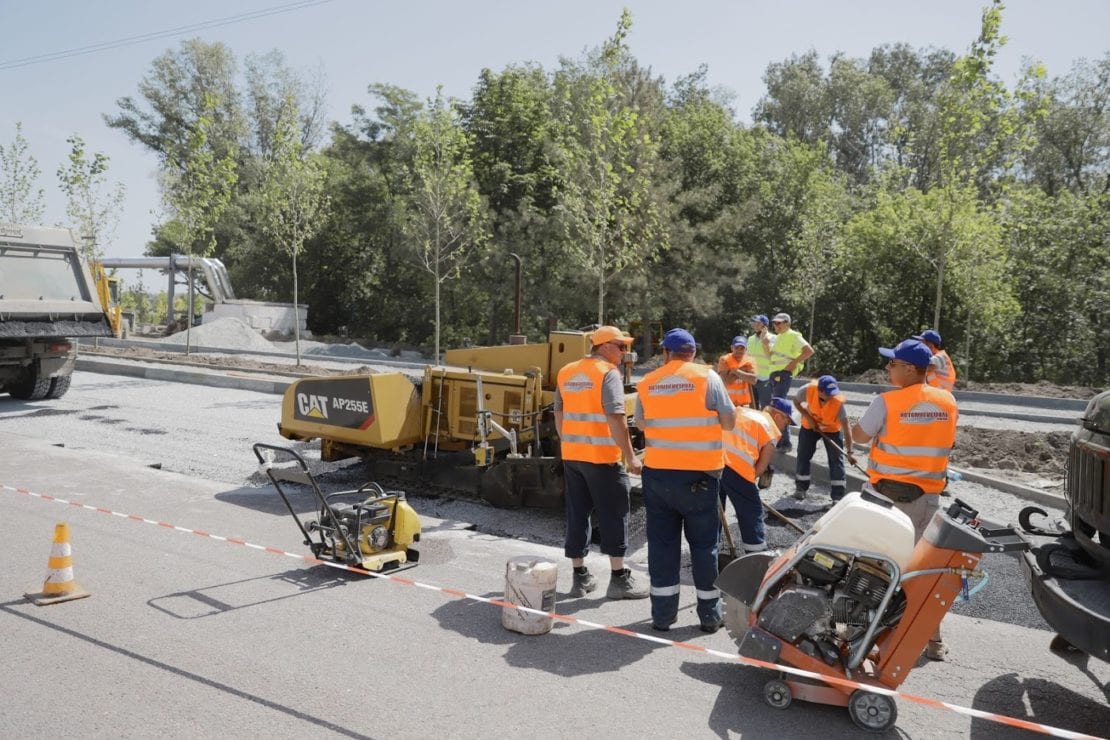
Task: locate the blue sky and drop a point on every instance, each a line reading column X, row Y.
column 419, row 45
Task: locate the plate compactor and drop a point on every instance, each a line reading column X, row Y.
column 368, row 527
column 855, row 599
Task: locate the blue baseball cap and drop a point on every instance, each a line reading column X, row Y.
column 679, row 340
column 827, row 384
column 739, row 341
column 780, row 404
column 761, row 318
column 912, row 351
column 929, row 335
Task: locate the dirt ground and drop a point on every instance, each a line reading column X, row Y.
column 1029, row 456
column 1043, row 388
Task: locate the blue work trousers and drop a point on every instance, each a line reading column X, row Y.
column 681, row 502
column 744, row 495
column 807, row 445
column 780, row 386
column 762, row 393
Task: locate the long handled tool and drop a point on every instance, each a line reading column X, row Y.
column 779, row 515
column 722, row 558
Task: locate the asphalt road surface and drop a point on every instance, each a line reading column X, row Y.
column 185, row 636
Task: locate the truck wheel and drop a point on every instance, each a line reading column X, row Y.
column 30, row 387
column 59, row 386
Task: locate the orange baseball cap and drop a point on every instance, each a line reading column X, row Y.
column 609, row 334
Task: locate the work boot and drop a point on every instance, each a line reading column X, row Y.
column 583, row 584
column 800, row 494
column 623, row 585
column 936, row 650
column 711, row 627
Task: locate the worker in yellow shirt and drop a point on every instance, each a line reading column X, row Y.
column 788, row 356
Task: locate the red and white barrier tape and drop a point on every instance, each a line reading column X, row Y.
column 968, row 711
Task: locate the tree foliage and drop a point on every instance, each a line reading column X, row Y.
column 92, row 205
column 21, row 200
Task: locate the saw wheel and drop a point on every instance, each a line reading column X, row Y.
column 736, row 617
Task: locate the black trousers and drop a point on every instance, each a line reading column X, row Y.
column 602, row 488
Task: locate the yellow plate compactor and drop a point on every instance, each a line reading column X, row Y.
column 368, row 528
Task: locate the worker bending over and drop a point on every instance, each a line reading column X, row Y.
column 749, row 450
column 683, row 409
column 823, row 417
column 911, row 431
column 593, row 432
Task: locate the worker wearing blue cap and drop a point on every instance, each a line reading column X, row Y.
column 911, row 430
column 823, row 419
column 683, row 410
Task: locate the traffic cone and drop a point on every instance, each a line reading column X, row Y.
column 59, row 585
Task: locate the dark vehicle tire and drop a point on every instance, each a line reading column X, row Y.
column 872, row 712
column 59, row 386
column 30, row 387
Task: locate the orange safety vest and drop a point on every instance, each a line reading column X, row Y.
column 916, row 439
column 754, row 430
column 680, row 433
column 738, row 390
column 943, row 374
column 827, row 412
column 586, row 436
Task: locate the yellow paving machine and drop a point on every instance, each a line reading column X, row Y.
column 480, row 425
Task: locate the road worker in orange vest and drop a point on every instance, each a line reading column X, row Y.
column 683, row 409
column 749, row 450
column 823, row 418
column 737, row 369
column 911, row 430
column 593, row 432
column 942, row 372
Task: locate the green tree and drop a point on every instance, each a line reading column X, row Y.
column 447, row 221
column 608, row 157
column 21, row 202
column 293, row 204
column 197, row 194
column 92, row 205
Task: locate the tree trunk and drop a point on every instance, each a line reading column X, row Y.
column 296, row 312
column 965, row 365
column 437, row 319
column 812, row 318
column 940, row 288
column 189, row 308
column 601, row 298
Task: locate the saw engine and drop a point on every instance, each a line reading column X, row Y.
column 825, row 609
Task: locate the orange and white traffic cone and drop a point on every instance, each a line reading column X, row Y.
column 59, row 585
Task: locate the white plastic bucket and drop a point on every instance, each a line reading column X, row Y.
column 529, row 582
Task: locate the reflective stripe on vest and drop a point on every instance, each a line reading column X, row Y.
column 827, row 413
column 754, row 430
column 916, row 438
column 942, row 374
column 586, row 436
column 680, row 433
column 788, row 345
column 760, row 356
column 738, row 390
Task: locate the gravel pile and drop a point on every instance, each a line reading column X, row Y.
column 225, row 333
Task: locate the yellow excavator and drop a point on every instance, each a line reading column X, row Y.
column 108, row 289
column 480, row 425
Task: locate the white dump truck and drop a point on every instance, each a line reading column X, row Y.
column 48, row 302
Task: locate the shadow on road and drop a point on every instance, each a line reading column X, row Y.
column 220, row 598
column 1037, row 700
column 565, row 651
column 739, row 708
column 9, row 608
